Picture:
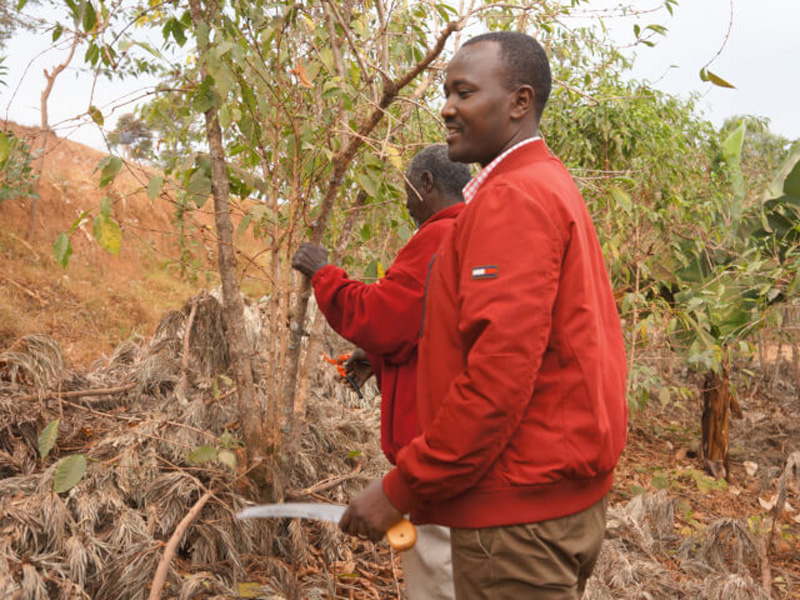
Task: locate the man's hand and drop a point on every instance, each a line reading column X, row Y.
column 309, row 259
column 358, row 367
column 370, row 514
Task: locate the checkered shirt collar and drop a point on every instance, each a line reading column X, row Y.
column 476, row 182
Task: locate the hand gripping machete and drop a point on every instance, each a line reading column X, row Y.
column 401, row 535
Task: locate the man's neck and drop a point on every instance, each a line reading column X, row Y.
column 524, row 133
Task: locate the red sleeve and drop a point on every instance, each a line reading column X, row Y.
column 383, row 318
column 504, row 324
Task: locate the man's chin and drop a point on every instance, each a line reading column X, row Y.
column 457, row 153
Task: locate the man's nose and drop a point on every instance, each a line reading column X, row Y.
column 447, row 109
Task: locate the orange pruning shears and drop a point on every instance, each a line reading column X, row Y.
column 339, row 362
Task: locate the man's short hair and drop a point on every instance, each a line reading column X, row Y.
column 449, row 176
column 527, row 63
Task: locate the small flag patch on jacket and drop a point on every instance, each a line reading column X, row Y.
column 486, row 272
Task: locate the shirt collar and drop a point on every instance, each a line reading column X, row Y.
column 476, row 182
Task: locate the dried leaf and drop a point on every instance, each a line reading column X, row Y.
column 302, row 75
column 768, row 504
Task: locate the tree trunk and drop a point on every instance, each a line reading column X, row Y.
column 44, row 132
column 718, row 405
column 250, row 412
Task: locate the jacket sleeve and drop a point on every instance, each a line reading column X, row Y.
column 383, row 318
column 504, row 323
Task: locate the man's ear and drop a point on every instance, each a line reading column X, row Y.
column 524, row 102
column 426, row 182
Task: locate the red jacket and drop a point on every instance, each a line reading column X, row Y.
column 522, row 365
column 384, row 319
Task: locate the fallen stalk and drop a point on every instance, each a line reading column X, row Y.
column 172, row 545
column 79, row 393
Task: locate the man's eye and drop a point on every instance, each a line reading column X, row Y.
column 464, row 93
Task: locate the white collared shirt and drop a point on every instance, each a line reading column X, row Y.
column 476, row 182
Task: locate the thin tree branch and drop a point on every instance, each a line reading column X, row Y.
column 79, row 393
column 172, row 545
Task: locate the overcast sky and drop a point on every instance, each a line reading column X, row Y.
column 759, row 58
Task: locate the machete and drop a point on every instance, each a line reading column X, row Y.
column 401, row 535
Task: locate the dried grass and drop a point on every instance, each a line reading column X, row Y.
column 728, row 547
column 104, row 538
column 34, row 360
column 719, row 563
column 733, row 587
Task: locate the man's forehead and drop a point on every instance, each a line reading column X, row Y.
column 467, row 56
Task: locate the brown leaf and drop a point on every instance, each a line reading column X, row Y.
column 302, row 75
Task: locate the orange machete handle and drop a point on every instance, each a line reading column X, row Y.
column 402, row 535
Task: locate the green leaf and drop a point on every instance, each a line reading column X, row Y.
column 57, row 31
column 248, row 96
column 622, row 199
column 96, row 115
column 372, row 270
column 706, row 75
column 204, row 98
column 227, row 458
column 226, row 440
column 732, row 152
column 367, row 183
column 69, row 471
column 791, row 185
column 664, row 396
column 733, row 144
column 637, row 490
column 154, row 187
column 202, row 454
column 6, row 145
column 244, row 224
column 108, row 234
column 73, row 9
column 89, row 17
column 199, row 187
column 92, row 54
column 110, row 166
column 659, row 29
column 62, row 250
column 659, row 481
column 76, row 223
column 178, row 31
column 47, row 438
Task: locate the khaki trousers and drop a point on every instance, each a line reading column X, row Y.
column 550, row 560
column 427, row 568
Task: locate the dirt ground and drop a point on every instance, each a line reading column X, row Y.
column 99, row 299
column 674, row 532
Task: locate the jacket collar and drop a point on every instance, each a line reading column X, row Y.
column 450, row 212
column 526, row 151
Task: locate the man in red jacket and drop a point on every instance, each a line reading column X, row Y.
column 384, row 320
column 522, row 365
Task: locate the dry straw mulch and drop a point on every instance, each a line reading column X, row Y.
column 104, row 538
